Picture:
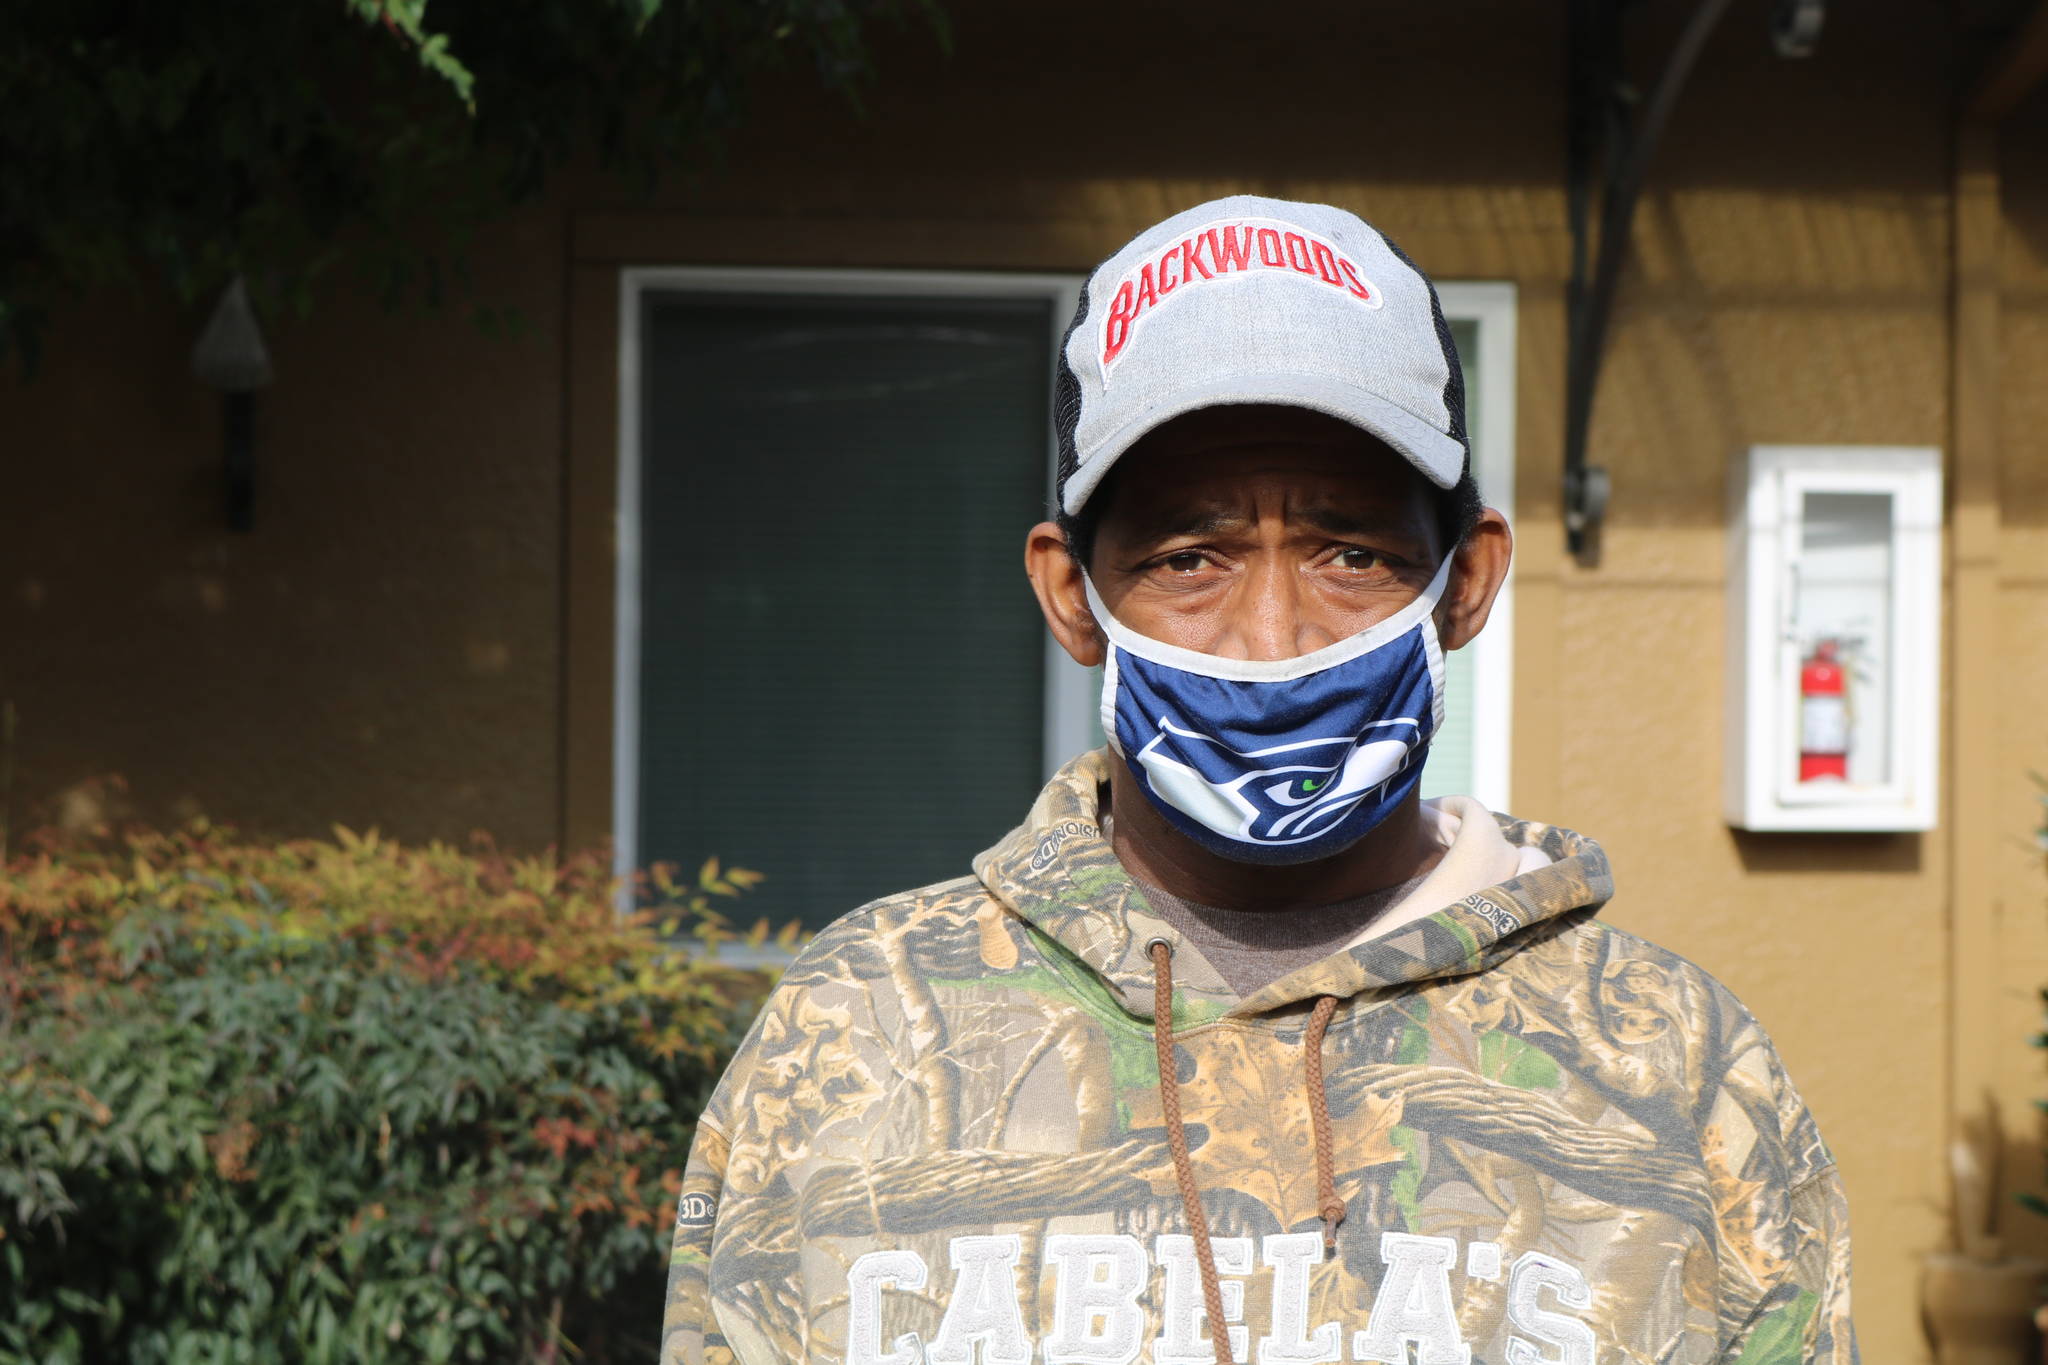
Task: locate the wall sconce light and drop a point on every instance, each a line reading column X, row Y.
column 232, row 359
column 1796, row 25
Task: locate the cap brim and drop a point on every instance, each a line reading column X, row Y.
column 1438, row 457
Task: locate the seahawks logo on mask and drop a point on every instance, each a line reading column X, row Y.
column 1288, row 794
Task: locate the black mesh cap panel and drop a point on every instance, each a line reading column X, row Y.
column 1066, row 403
column 1454, row 384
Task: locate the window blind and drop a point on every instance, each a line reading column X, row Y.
column 841, row 669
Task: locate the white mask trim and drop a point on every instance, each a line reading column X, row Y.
column 1271, row 670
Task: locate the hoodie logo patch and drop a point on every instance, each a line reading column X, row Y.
column 1049, row 844
column 1493, row 913
column 696, row 1210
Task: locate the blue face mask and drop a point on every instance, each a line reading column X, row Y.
column 1282, row 761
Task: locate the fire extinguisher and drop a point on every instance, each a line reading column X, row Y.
column 1823, row 715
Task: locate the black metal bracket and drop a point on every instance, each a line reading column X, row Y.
column 1611, row 136
column 238, row 462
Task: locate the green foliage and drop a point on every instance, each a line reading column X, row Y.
column 408, row 20
column 344, row 1100
column 279, row 138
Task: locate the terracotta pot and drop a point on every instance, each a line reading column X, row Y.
column 1982, row 1312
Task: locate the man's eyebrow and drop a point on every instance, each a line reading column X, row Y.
column 1202, row 520
column 1332, row 520
column 1196, row 519
column 1337, row 522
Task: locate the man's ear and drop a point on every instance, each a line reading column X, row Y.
column 1057, row 579
column 1480, row 566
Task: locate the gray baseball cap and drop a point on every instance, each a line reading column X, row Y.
column 1253, row 300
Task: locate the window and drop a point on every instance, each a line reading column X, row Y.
column 830, row 667
column 1469, row 757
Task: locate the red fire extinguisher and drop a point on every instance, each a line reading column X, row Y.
column 1823, row 715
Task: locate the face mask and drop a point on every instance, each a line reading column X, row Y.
column 1281, row 761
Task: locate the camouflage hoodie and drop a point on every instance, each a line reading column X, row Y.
column 943, row 1142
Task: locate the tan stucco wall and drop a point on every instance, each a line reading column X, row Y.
column 1791, row 285
column 381, row 650
column 389, row 646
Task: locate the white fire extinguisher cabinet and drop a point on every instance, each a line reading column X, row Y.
column 1834, row 639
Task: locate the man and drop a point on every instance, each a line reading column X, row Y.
column 1236, row 1050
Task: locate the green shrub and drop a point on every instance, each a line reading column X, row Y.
column 343, row 1100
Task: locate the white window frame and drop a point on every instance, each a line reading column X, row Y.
column 1491, row 305
column 635, row 282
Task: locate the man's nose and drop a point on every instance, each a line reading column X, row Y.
column 1271, row 622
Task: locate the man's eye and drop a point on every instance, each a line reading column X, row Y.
column 1186, row 561
column 1359, row 560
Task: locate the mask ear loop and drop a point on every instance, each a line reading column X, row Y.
column 1433, row 651
column 1433, row 645
column 1105, row 706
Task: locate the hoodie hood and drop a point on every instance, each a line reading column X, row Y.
column 1058, row 873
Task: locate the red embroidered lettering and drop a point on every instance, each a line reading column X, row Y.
column 1231, row 248
column 1357, row 288
column 1326, row 264
column 1237, row 249
column 1117, row 330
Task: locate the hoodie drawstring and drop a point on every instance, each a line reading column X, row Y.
column 1329, row 1207
column 1177, row 1143
column 1327, row 1203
